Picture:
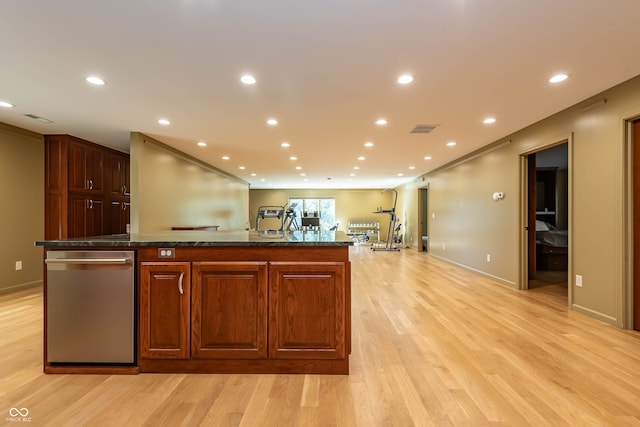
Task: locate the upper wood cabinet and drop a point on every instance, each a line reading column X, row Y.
column 118, row 179
column 79, row 179
column 86, row 167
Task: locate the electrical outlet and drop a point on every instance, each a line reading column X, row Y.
column 166, row 253
column 18, row 265
column 488, row 257
column 578, row 280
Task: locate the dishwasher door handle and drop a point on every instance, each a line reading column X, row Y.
column 98, row 261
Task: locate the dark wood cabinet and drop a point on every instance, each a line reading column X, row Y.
column 164, row 304
column 119, row 216
column 244, row 309
column 79, row 173
column 118, row 178
column 86, row 216
column 86, row 167
column 229, row 310
column 307, row 310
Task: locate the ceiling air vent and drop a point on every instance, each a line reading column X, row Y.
column 423, row 128
column 38, row 118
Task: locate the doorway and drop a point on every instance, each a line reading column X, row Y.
column 636, row 221
column 423, row 215
column 548, row 220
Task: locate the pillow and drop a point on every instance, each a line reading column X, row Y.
column 542, row 226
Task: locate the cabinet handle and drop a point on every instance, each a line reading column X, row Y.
column 90, row 204
column 90, row 184
column 180, row 288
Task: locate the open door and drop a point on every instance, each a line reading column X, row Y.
column 547, row 219
column 636, row 224
column 423, row 215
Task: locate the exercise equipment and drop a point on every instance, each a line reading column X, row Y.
column 394, row 227
column 285, row 214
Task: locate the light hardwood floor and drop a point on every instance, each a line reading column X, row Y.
column 433, row 344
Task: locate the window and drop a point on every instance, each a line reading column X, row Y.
column 324, row 208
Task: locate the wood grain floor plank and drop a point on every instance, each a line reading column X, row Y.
column 433, row 345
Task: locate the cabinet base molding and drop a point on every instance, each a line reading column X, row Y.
column 316, row 367
column 91, row 370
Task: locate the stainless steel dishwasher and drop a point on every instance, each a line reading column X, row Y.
column 90, row 306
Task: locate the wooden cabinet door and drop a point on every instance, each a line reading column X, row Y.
column 229, row 310
column 86, row 167
column 86, row 216
column 78, row 167
column 95, row 169
column 163, row 314
column 117, row 174
column 118, row 216
column 77, row 216
column 307, row 310
column 94, row 218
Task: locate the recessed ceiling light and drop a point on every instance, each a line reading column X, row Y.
column 285, row 145
column 293, row 158
column 400, row 174
column 272, row 122
column 225, row 157
column 6, row 104
column 427, row 157
column 303, row 174
column 559, row 78
column 361, row 158
column 356, row 168
column 381, row 122
column 248, row 79
column 241, row 167
column 164, row 122
column 202, row 144
column 298, row 167
column 368, row 144
column 253, row 174
column 489, row 120
column 94, row 80
column 412, row 168
column 451, row 144
column 352, row 174
column 263, row 180
column 405, row 79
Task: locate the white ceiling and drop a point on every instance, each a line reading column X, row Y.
column 325, row 69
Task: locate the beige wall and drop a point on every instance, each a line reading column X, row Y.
column 468, row 224
column 351, row 205
column 168, row 188
column 22, row 207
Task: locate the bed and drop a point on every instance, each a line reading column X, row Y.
column 552, row 247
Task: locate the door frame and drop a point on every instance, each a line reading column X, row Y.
column 423, row 216
column 626, row 293
column 523, row 209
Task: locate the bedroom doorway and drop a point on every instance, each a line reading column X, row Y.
column 423, row 215
column 548, row 220
column 636, row 222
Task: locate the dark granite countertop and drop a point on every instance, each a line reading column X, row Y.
column 209, row 238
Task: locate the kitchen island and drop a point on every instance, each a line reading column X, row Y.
column 233, row 302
